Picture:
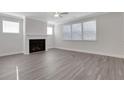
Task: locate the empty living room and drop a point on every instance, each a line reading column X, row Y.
column 61, row 46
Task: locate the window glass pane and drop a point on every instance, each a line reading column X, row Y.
column 76, row 32
column 49, row 30
column 89, row 30
column 10, row 27
column 67, row 32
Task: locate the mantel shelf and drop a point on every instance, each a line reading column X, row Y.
column 36, row 35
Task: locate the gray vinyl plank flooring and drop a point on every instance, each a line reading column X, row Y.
column 57, row 64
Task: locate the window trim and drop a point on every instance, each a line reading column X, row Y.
column 96, row 30
column 52, row 30
column 70, row 31
column 82, row 30
column 12, row 22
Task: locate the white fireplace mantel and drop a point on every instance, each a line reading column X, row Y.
column 35, row 35
column 32, row 36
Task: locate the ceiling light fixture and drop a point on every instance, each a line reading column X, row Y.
column 60, row 14
column 56, row 15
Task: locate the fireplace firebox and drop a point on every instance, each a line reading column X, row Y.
column 36, row 45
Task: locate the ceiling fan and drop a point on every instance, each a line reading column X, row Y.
column 60, row 14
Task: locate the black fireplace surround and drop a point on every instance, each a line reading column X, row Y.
column 36, row 45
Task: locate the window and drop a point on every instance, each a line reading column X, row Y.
column 76, row 31
column 49, row 30
column 10, row 27
column 89, row 30
column 67, row 32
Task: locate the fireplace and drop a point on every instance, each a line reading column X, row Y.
column 36, row 45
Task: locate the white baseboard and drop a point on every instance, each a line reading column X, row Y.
column 98, row 53
column 76, row 50
column 12, row 53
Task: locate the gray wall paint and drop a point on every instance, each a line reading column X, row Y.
column 110, row 30
column 11, row 43
column 35, row 27
column 51, row 39
column 110, row 40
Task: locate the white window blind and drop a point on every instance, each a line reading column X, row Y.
column 10, row 27
column 76, row 31
column 67, row 32
column 89, row 30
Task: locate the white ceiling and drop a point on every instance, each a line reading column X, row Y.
column 49, row 16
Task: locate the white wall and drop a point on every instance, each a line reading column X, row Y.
column 36, row 29
column 51, row 39
column 10, row 43
column 110, row 41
